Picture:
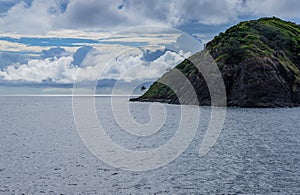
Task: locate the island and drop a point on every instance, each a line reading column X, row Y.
column 259, row 61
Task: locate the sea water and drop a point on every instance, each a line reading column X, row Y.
column 257, row 151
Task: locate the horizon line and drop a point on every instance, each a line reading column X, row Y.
column 67, row 95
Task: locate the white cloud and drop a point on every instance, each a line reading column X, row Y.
column 128, row 66
column 34, row 19
column 19, row 47
column 125, row 63
column 37, row 71
column 132, row 67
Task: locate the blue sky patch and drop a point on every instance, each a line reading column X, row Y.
column 50, row 42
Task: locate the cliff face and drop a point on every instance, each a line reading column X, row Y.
column 259, row 61
column 263, row 82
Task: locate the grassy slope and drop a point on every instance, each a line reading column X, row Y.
column 270, row 37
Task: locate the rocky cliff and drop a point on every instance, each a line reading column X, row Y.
column 259, row 61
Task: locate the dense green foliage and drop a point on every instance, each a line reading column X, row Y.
column 269, row 37
column 159, row 90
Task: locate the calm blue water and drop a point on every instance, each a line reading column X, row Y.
column 258, row 151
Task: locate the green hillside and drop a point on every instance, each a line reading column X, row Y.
column 259, row 61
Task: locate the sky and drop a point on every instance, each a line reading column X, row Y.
column 47, row 45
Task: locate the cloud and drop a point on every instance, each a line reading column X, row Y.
column 80, row 54
column 6, row 5
column 55, row 52
column 130, row 66
column 127, row 66
column 41, row 64
column 117, row 13
column 8, row 58
column 43, row 16
column 284, row 9
column 91, row 13
column 19, row 47
column 116, row 60
column 40, row 71
column 33, row 19
column 64, row 33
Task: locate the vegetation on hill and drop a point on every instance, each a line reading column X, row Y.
column 267, row 49
column 271, row 37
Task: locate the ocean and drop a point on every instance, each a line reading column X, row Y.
column 42, row 151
